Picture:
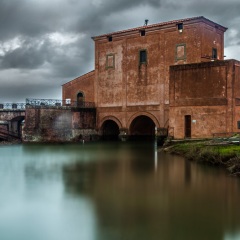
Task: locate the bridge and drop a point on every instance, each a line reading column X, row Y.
column 11, row 118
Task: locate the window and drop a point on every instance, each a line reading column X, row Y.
column 214, row 53
column 142, row 33
column 180, row 53
column 143, row 56
column 110, row 38
column 80, row 99
column 110, row 61
column 180, row 27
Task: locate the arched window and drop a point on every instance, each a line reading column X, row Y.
column 80, row 99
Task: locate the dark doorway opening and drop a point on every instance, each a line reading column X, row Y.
column 142, row 128
column 80, row 99
column 188, row 126
column 16, row 125
column 110, row 130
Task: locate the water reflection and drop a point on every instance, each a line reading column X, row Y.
column 113, row 191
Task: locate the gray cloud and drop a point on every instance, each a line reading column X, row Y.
column 39, row 62
column 30, row 55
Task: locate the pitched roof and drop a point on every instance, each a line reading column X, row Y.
column 200, row 18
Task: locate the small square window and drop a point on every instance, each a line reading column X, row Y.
column 142, row 33
column 214, row 53
column 110, row 38
column 143, row 56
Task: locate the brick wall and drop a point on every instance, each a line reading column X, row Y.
column 128, row 87
column 84, row 84
column 206, row 92
column 124, row 86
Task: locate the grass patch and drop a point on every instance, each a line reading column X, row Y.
column 220, row 155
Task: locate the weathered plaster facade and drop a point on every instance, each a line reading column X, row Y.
column 131, row 76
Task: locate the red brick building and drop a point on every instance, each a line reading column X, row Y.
column 204, row 99
column 130, row 83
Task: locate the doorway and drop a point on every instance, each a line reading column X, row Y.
column 80, row 99
column 188, row 126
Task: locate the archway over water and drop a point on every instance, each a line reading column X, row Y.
column 142, row 128
column 110, row 130
column 16, row 125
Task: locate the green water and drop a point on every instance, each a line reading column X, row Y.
column 113, row 191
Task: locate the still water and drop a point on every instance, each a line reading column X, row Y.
column 113, row 191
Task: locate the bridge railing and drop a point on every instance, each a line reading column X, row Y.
column 52, row 103
column 12, row 106
column 46, row 103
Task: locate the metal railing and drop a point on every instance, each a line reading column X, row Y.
column 12, row 106
column 54, row 103
column 46, row 103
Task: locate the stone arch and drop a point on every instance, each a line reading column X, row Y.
column 142, row 126
column 110, row 118
column 151, row 116
column 110, row 128
column 15, row 125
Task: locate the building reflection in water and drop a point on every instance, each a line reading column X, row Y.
column 144, row 194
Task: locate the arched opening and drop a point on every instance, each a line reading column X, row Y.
column 110, row 130
column 16, row 125
column 142, row 128
column 80, row 99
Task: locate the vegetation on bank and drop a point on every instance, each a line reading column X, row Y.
column 206, row 152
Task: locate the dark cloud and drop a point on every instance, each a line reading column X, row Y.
column 24, row 18
column 39, row 62
column 109, row 6
column 30, row 55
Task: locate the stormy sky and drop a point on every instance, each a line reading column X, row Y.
column 45, row 43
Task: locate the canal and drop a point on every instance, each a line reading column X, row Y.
column 113, row 191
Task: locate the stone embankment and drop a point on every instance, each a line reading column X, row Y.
column 224, row 153
column 2, row 143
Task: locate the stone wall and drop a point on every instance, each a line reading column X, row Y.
column 58, row 124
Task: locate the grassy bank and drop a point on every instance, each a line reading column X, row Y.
column 227, row 156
